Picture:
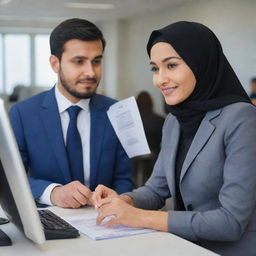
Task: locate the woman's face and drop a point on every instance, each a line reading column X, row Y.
column 171, row 74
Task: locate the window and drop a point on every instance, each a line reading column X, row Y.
column 44, row 74
column 24, row 60
column 17, row 60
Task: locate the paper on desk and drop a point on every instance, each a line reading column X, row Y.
column 87, row 226
column 125, row 119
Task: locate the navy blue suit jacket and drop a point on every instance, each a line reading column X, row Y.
column 37, row 127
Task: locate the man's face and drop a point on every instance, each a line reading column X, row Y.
column 80, row 68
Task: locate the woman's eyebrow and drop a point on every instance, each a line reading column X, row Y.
column 165, row 59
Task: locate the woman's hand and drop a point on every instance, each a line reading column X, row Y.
column 124, row 213
column 102, row 192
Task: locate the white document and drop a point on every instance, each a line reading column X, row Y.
column 87, row 226
column 125, row 119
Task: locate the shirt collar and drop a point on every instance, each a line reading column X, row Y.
column 63, row 103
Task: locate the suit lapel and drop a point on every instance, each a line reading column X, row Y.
column 203, row 134
column 52, row 124
column 172, row 147
column 98, row 124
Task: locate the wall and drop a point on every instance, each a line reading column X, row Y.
column 110, row 76
column 233, row 21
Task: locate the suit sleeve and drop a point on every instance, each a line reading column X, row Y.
column 17, row 127
column 37, row 185
column 237, row 196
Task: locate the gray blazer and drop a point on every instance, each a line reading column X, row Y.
column 217, row 183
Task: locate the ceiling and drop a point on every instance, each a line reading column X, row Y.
column 45, row 13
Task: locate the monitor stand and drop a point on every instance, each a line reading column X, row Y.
column 3, row 221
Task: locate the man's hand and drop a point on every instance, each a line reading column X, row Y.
column 72, row 195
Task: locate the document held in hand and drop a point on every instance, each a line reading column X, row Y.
column 126, row 121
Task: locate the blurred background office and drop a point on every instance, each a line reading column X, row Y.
column 253, row 90
column 152, row 123
column 25, row 26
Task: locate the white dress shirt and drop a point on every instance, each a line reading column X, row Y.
column 83, row 126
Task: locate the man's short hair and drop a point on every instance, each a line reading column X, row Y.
column 73, row 29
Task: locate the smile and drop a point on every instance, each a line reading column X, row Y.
column 169, row 90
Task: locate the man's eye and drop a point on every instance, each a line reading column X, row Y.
column 78, row 62
column 96, row 62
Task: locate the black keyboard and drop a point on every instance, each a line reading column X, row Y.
column 55, row 227
column 4, row 239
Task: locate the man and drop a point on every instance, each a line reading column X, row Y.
column 68, row 156
column 253, row 92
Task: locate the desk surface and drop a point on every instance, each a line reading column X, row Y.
column 157, row 243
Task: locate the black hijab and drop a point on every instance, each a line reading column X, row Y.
column 216, row 83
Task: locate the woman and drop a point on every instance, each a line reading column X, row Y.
column 207, row 162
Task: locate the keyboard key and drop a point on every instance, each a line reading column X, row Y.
column 4, row 239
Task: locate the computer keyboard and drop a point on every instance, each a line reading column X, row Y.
column 4, row 239
column 55, row 227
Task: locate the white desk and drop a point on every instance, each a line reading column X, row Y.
column 151, row 244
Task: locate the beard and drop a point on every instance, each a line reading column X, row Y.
column 73, row 92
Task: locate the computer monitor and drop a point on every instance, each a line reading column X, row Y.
column 15, row 195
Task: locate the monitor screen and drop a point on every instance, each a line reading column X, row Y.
column 15, row 195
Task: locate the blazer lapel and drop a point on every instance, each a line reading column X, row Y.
column 98, row 124
column 52, row 124
column 203, row 134
column 172, row 147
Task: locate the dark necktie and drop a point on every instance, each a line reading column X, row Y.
column 74, row 146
